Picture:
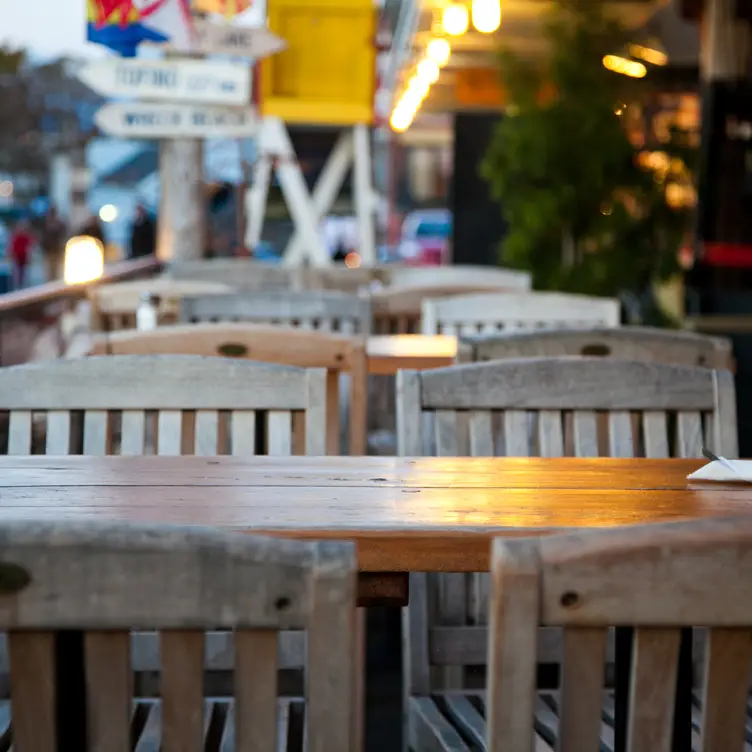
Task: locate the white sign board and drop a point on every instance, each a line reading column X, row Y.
column 154, row 120
column 195, row 81
column 224, row 39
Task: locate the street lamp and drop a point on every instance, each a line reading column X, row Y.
column 84, row 260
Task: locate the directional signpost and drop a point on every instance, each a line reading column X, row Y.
column 173, row 80
column 224, row 39
column 155, row 120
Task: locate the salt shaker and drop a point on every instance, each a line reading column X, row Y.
column 146, row 312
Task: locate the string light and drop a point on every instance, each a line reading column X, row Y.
column 439, row 50
column 455, row 19
column 626, row 67
column 486, row 15
column 428, row 71
column 649, row 55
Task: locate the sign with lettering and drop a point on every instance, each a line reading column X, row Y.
column 195, row 81
column 154, row 120
column 225, row 39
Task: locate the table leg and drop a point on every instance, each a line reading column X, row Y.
column 71, row 691
column 684, row 675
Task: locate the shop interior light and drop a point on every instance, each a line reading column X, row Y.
column 455, row 19
column 486, row 15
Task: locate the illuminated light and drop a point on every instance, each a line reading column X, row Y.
column 352, row 260
column 419, row 87
column 439, row 50
column 649, row 55
column 455, row 19
column 428, row 71
column 486, row 15
column 6, row 189
column 620, row 109
column 625, row 67
column 84, row 260
column 108, row 213
column 607, row 210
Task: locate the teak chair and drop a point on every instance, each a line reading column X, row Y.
column 460, row 274
column 323, row 310
column 534, row 407
column 238, row 273
column 625, row 343
column 292, row 347
column 494, row 312
column 657, row 578
column 123, row 577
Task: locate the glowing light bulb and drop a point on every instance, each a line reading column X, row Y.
column 455, row 19
column 428, row 71
column 439, row 51
column 486, row 15
column 626, row 67
column 419, row 87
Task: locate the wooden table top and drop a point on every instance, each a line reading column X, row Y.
column 429, row 514
column 387, row 353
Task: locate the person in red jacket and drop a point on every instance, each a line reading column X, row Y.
column 20, row 246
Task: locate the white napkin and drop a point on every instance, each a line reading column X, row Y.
column 724, row 472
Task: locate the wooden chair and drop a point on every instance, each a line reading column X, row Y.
column 460, row 274
column 657, row 578
column 325, row 311
column 238, row 273
column 536, row 407
column 488, row 313
column 136, row 576
column 113, row 307
column 291, row 347
column 626, row 343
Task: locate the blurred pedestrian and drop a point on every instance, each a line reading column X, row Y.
column 143, row 234
column 93, row 228
column 20, row 245
column 52, row 238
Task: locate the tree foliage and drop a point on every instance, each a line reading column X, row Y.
column 584, row 214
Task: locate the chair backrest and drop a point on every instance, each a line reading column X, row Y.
column 326, row 311
column 243, row 273
column 397, row 308
column 492, row 312
column 292, row 347
column 204, row 406
column 625, row 342
column 182, row 582
column 339, row 277
column 657, row 578
column 510, row 279
column 549, row 407
column 114, row 306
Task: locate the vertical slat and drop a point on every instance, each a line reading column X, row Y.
column 652, row 690
column 96, row 433
column 620, row 434
column 582, row 689
column 169, row 433
column 480, row 587
column 725, row 437
column 108, row 690
column 415, row 637
column 207, row 433
column 316, row 412
column 255, row 691
column 332, row 412
column 585, row 433
column 550, row 438
column 182, row 691
column 58, row 432
column 481, row 434
column 445, row 430
column 512, row 648
column 452, row 606
column 243, row 433
column 358, row 402
column 331, row 632
column 279, row 433
column 32, row 686
column 516, row 439
column 724, row 699
column 655, row 429
column 409, row 412
column 19, row 432
column 132, row 432
column 689, row 433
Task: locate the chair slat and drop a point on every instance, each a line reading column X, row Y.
column 255, row 691
column 689, row 433
column 481, row 434
column 585, row 433
column 620, row 442
column 516, row 440
column 582, row 690
column 207, row 433
column 58, row 432
column 133, row 428
column 724, row 701
column 108, row 690
column 32, row 682
column 182, row 691
column 445, row 428
column 653, row 689
column 243, row 433
column 550, row 437
column 655, row 429
column 19, row 432
column 96, row 433
column 170, row 433
column 279, row 424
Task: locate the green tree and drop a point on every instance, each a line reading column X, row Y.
column 584, row 214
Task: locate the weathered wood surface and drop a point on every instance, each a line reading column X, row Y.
column 429, row 522
column 462, row 274
column 389, row 353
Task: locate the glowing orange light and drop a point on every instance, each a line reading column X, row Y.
column 352, row 260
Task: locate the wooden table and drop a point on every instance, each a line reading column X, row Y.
column 404, row 514
column 388, row 353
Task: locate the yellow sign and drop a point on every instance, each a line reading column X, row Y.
column 327, row 74
column 228, row 8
